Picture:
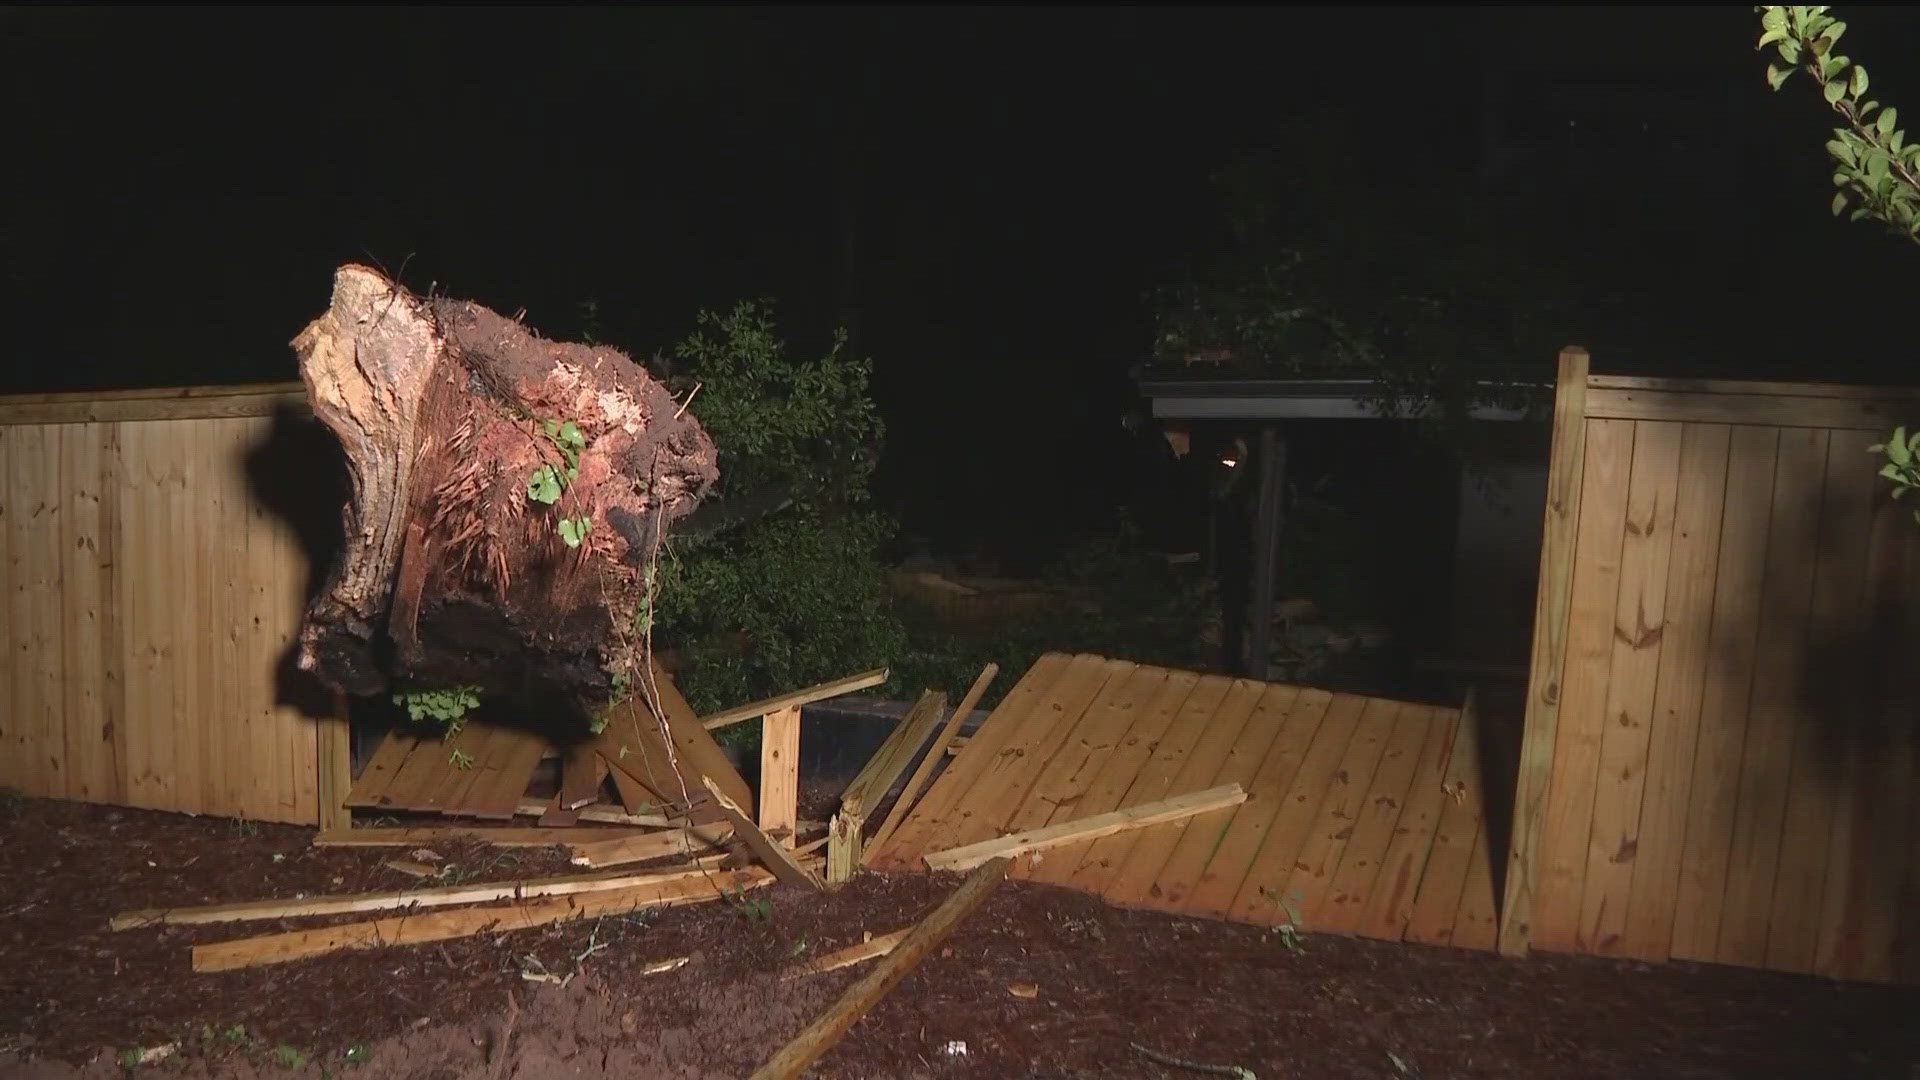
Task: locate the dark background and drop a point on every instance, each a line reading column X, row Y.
column 981, row 196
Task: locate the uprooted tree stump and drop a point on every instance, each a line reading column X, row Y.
column 510, row 494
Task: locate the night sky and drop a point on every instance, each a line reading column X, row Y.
column 983, row 196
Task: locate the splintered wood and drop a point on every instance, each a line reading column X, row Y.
column 1211, row 796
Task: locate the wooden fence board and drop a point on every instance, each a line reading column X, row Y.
column 1692, row 572
column 1437, row 904
column 1639, row 626
column 1332, row 827
column 1567, row 829
column 1389, row 903
column 1766, row 764
column 1725, row 698
column 1372, row 830
column 1263, row 891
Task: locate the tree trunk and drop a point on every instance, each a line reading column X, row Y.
column 454, row 572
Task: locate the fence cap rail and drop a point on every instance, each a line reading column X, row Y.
column 156, row 403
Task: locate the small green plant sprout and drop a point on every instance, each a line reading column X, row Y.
column 574, row 530
column 461, row 760
column 801, row 946
column 1288, row 932
column 236, row 1035
column 753, row 909
column 290, row 1057
column 449, row 705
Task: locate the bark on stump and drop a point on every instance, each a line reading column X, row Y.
column 452, row 572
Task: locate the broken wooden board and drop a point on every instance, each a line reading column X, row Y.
column 871, row 785
column 444, row 896
column 795, row 699
column 857, row 953
column 780, row 770
column 659, row 845
column 529, row 837
column 413, row 929
column 768, row 850
column 911, row 793
column 1178, row 808
column 820, row 1036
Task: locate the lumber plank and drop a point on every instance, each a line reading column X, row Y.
column 505, row 837
column 113, row 646
column 1196, row 713
column 1562, row 858
column 641, row 765
column 1785, row 411
column 1135, row 872
column 1692, row 576
column 770, row 852
column 581, row 773
column 869, row 787
column 780, row 770
column 1476, row 926
column 1817, row 764
column 910, row 794
column 512, row 755
column 191, row 403
column 1178, row 808
column 857, row 953
column 928, row 819
column 1119, row 767
column 1389, row 903
column 1064, row 779
column 823, row 1033
column 1261, row 896
column 693, row 745
column 354, row 903
column 795, row 699
column 1866, row 904
column 472, row 740
column 606, row 815
column 1233, row 854
column 377, row 775
column 1200, row 838
column 1639, row 634
column 417, row 777
column 1566, row 471
column 1007, row 781
column 1413, row 754
column 653, row 845
column 81, row 602
column 1725, row 699
column 1326, row 840
column 335, row 747
column 844, row 852
column 1436, row 903
column 413, row 929
column 1766, row 762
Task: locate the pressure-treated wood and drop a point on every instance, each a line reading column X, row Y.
column 770, row 852
column 817, row 1038
column 653, row 845
column 858, row 953
column 795, row 699
column 1178, row 808
column 412, row 929
column 910, row 794
column 1732, row 758
column 847, row 833
column 1566, row 472
column 780, row 770
column 152, row 595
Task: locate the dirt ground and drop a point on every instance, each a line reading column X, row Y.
column 75, row 997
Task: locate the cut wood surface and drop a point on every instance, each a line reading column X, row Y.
column 857, row 953
column 780, row 770
column 1178, row 808
column 872, row 783
column 529, row 837
column 910, row 794
column 413, row 929
column 655, row 845
column 768, row 850
column 606, row 815
column 820, row 1036
column 795, row 699
column 444, row 896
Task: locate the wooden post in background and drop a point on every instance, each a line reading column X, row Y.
column 780, row 772
column 336, row 766
column 1567, row 465
column 1266, row 549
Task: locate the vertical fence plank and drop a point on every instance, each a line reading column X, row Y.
column 81, row 603
column 113, row 645
column 1692, row 572
column 1638, row 626
column 45, row 502
column 1565, row 474
column 1589, row 658
column 1828, row 707
column 1751, row 462
column 1765, row 766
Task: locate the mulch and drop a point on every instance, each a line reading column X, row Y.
column 74, row 996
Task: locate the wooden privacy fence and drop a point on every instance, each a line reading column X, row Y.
column 1719, row 756
column 151, row 594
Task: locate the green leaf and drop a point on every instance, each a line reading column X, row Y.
column 550, row 427
column 1833, row 90
column 1839, row 202
column 1773, row 18
column 544, row 485
column 1898, row 448
column 1832, row 31
column 1857, row 83
column 1777, row 75
column 1789, row 51
column 575, row 530
column 1775, row 34
column 1884, row 125
column 569, row 436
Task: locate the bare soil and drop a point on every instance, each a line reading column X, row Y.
column 75, row 996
